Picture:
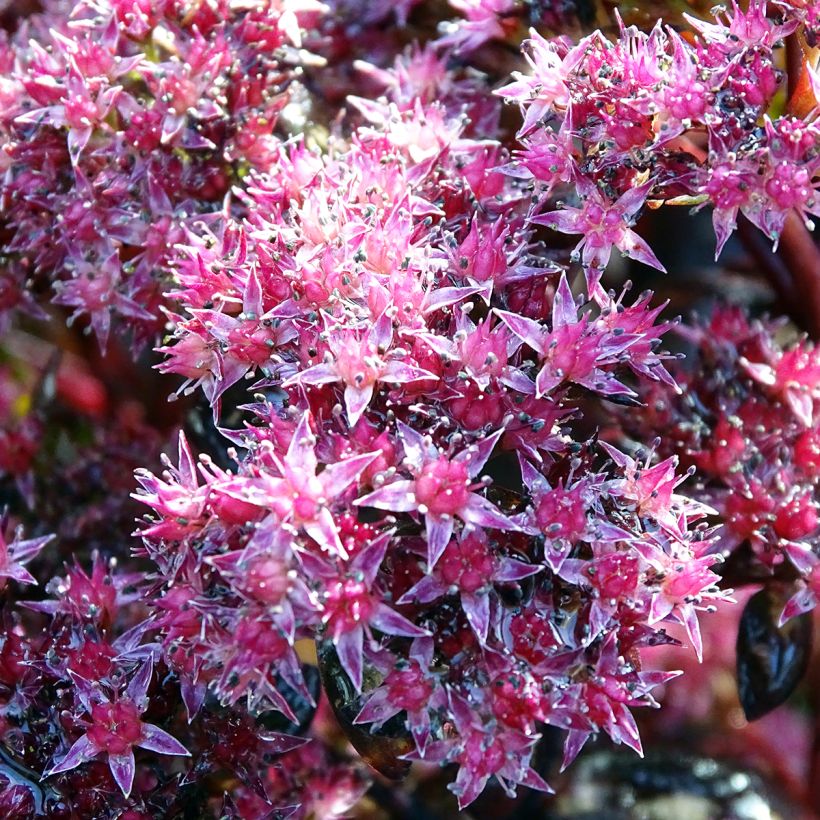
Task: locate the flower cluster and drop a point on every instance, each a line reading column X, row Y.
column 378, row 299
column 666, row 119
column 748, row 421
column 121, row 124
column 400, row 516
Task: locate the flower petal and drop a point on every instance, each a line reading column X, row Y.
column 82, row 750
column 122, row 767
column 158, row 740
column 397, row 497
column 389, row 621
column 349, row 649
column 439, row 532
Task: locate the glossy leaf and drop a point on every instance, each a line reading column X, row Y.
column 771, row 660
column 380, row 749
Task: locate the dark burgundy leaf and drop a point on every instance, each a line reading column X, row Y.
column 381, row 749
column 771, row 660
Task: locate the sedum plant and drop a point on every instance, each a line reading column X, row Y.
column 438, row 490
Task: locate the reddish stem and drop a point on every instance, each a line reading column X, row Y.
column 802, row 258
column 794, row 63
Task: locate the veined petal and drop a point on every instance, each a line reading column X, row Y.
column 636, row 248
column 401, row 373
column 478, row 454
column 389, row 621
column 158, row 740
column 82, row 750
column 564, row 312
column 122, row 767
column 397, row 497
column 439, row 533
column 338, row 477
column 477, row 610
column 356, row 401
column 427, row 589
column 349, row 649
column 513, row 570
column 301, row 454
column 528, row 330
column 484, row 513
column 318, row 374
column 323, row 530
column 378, row 709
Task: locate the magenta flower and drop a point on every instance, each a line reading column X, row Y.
column 806, row 597
column 350, row 607
column 180, row 500
column 360, row 360
column 562, row 514
column 484, row 20
column 545, row 90
column 605, row 225
column 299, row 498
column 606, row 693
column 115, row 728
column 575, row 350
column 651, row 490
column 15, row 555
column 469, row 567
column 81, row 111
column 442, row 489
column 483, row 751
column 411, row 687
column 792, row 376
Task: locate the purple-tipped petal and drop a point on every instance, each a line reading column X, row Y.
column 301, row 450
column 349, row 649
column 389, row 621
column 660, row 608
column 338, row 477
column 19, row 574
column 484, row 513
column 528, row 330
column 122, row 767
column 690, row 621
column 512, row 570
column 803, row 600
column 397, row 497
column 370, row 558
column 576, row 738
column 316, row 375
column 477, row 610
column 82, row 750
column 427, row 589
column 564, row 312
column 400, row 373
column 356, row 401
column 378, row 709
column 186, row 462
column 324, row 532
column 478, row 454
column 439, row 531
column 636, row 248
column 158, row 740
column 252, row 297
column 564, row 221
column 415, row 447
column 138, row 687
column 381, row 332
column 546, row 381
